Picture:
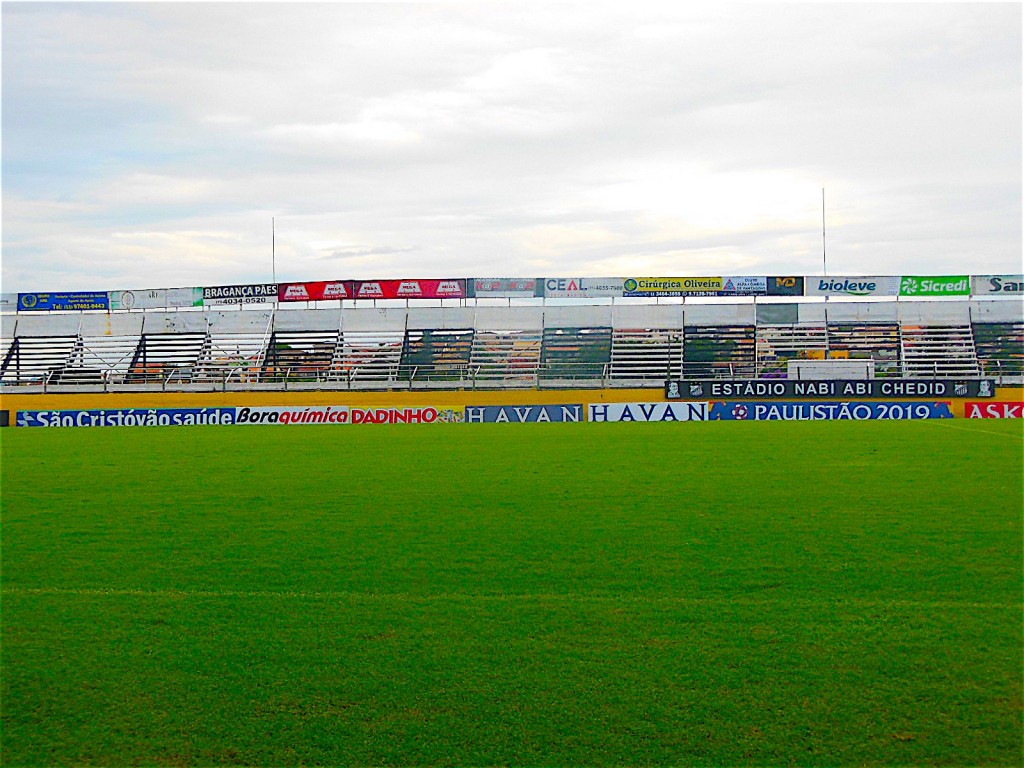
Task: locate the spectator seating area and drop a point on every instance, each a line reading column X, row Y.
column 490, row 347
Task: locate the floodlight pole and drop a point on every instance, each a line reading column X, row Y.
column 273, row 250
column 824, row 263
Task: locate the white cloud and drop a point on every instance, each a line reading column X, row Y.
column 156, row 141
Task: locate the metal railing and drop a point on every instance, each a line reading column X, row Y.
column 560, row 374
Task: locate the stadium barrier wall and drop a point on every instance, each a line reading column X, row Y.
column 476, row 405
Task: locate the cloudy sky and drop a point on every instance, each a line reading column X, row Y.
column 151, row 145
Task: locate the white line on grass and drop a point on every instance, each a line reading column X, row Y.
column 945, row 423
column 517, row 597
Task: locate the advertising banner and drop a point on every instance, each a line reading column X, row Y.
column 156, row 298
column 582, row 287
column 695, row 286
column 785, row 286
column 419, row 415
column 504, row 287
column 997, row 285
column 409, row 289
column 851, row 286
column 647, row 412
column 327, row 414
column 745, row 286
column 793, row 389
column 521, row 414
column 343, row 414
column 253, row 293
column 946, row 285
column 989, row 410
column 71, row 301
column 8, row 302
column 283, row 415
column 734, row 411
column 321, row 290
column 673, row 286
column 127, row 417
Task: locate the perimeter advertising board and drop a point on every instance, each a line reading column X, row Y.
column 127, row 417
column 852, row 286
column 695, row 286
column 320, row 290
column 935, row 286
column 8, row 302
column 989, row 410
column 597, row 412
column 409, row 289
column 74, row 301
column 156, row 298
column 504, row 287
column 343, row 414
column 785, row 286
column 997, row 285
column 582, row 287
column 792, row 389
column 522, row 414
column 282, row 415
column 828, row 411
column 251, row 293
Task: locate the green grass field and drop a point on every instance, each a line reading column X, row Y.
column 811, row 593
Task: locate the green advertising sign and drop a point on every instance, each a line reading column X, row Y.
column 942, row 285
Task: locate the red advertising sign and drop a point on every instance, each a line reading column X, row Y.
column 986, row 409
column 409, row 289
column 323, row 290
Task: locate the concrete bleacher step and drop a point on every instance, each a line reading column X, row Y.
column 301, row 355
column 98, row 359
column 232, row 356
column 646, row 353
column 575, row 353
column 369, row 356
column 32, row 359
column 161, row 356
column 1000, row 348
column 875, row 341
column 720, row 351
column 436, row 355
column 505, row 355
column 776, row 345
column 938, row 351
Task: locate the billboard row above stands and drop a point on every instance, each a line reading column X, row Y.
column 723, row 286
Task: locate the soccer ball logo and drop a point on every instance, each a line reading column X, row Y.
column 740, row 411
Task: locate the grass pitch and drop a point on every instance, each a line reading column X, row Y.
column 596, row 594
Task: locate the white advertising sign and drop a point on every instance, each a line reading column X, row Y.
column 582, row 287
column 852, row 286
column 660, row 411
column 997, row 285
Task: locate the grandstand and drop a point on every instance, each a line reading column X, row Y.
column 470, row 346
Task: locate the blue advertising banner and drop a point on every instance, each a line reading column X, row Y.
column 746, row 411
column 74, row 301
column 127, row 417
column 488, row 414
column 827, row 389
